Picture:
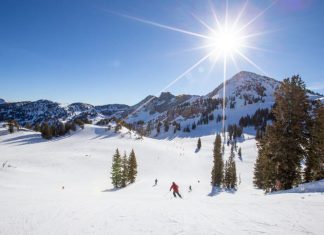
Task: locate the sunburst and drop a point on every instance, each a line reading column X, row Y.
column 222, row 43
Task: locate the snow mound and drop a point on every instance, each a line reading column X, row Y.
column 312, row 187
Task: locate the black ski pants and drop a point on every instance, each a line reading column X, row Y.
column 176, row 193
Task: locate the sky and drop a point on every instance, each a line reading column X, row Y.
column 95, row 51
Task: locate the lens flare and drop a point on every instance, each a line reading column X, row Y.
column 227, row 40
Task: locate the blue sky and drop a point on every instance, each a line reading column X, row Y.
column 84, row 50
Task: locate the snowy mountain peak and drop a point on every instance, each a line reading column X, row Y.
column 246, row 84
column 2, row 101
column 245, row 75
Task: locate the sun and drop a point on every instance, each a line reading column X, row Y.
column 226, row 42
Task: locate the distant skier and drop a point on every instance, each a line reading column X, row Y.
column 175, row 189
column 155, row 182
column 190, row 189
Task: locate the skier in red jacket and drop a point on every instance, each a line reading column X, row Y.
column 175, row 189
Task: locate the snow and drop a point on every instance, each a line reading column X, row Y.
column 142, row 115
column 322, row 100
column 317, row 186
column 32, row 200
column 246, row 83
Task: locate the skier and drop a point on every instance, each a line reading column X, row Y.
column 190, row 189
column 155, row 182
column 175, row 189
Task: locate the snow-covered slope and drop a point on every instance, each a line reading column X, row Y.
column 157, row 108
column 33, row 172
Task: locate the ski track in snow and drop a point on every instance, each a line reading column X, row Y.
column 32, row 200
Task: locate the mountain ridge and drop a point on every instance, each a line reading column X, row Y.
column 246, row 92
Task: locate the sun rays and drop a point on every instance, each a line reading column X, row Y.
column 225, row 41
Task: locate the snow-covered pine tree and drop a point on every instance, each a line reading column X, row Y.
column 198, row 144
column 132, row 167
column 217, row 171
column 124, row 176
column 116, row 170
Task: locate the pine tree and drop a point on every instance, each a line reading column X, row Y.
column 132, row 167
column 46, row 131
column 193, row 126
column 61, row 129
column 315, row 158
column 217, row 171
column 286, row 140
column 37, row 127
column 158, row 127
column 116, row 170
column 230, row 179
column 233, row 184
column 259, row 169
column 10, row 127
column 290, row 131
column 166, row 126
column 227, row 179
column 264, row 168
column 198, row 144
column 124, row 176
column 239, row 153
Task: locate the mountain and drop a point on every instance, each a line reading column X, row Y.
column 158, row 108
column 246, row 94
column 112, row 109
column 2, row 101
column 248, row 86
column 47, row 111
